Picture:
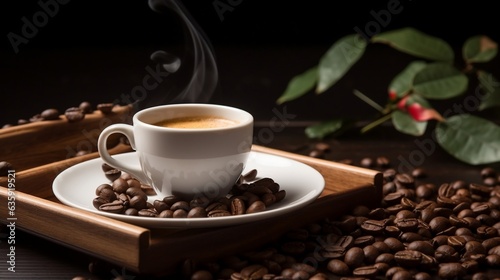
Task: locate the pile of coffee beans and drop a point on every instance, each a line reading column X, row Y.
column 126, row 195
column 420, row 231
column 72, row 114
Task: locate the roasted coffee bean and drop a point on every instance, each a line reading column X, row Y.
column 138, row 203
column 354, row 257
column 424, row 247
column 408, row 258
column 493, row 260
column 98, row 201
column 280, row 195
column 394, row 244
column 50, row 114
column 134, row 191
column 373, row 226
column 133, row 183
column 216, row 206
column 268, row 199
column 406, row 225
column 131, row 212
column 86, row 107
column 480, row 276
column 107, row 194
column 5, row 167
column 371, row 253
column 406, row 180
column 446, row 253
column 490, row 243
column 171, row 199
column 439, row 224
column 249, row 176
column 112, row 174
column 180, row 213
column 147, row 212
column 120, row 185
column 402, row 275
column 393, row 198
column 471, row 266
column 446, row 190
column 367, row 162
column 451, row 271
column 364, row 240
column 387, row 258
column 389, row 174
column 184, row 205
column 309, row 269
column 166, row 214
column 105, row 108
column 422, row 276
column 418, row 173
column 480, row 190
column 218, row 213
column 197, row 212
column 160, row 205
column 74, row 114
column 381, row 247
column 383, row 161
column 257, row 206
column 388, row 188
column 148, row 190
column 410, row 237
column 101, row 187
column 338, row 267
column 366, row 271
column 201, row 275
column 345, row 241
column 457, row 242
column 113, row 207
column 332, row 252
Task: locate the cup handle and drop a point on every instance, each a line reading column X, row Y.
column 126, row 130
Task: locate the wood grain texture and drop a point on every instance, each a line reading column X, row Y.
column 38, row 143
column 139, row 249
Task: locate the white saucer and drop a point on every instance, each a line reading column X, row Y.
column 76, row 186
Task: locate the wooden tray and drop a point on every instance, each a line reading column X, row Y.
column 160, row 251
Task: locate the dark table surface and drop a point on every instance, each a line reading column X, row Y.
column 37, row 258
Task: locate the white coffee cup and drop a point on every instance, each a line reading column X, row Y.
column 185, row 162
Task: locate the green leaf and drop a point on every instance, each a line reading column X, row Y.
column 338, row 60
column 406, row 124
column 470, row 139
column 479, row 49
column 299, row 85
column 323, row 129
column 403, row 81
column 440, row 81
column 490, row 90
column 416, row 43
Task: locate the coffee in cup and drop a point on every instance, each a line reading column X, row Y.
column 187, row 150
column 200, row 122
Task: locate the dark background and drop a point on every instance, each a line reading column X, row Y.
column 98, row 50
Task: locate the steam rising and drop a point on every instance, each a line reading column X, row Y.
column 203, row 77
